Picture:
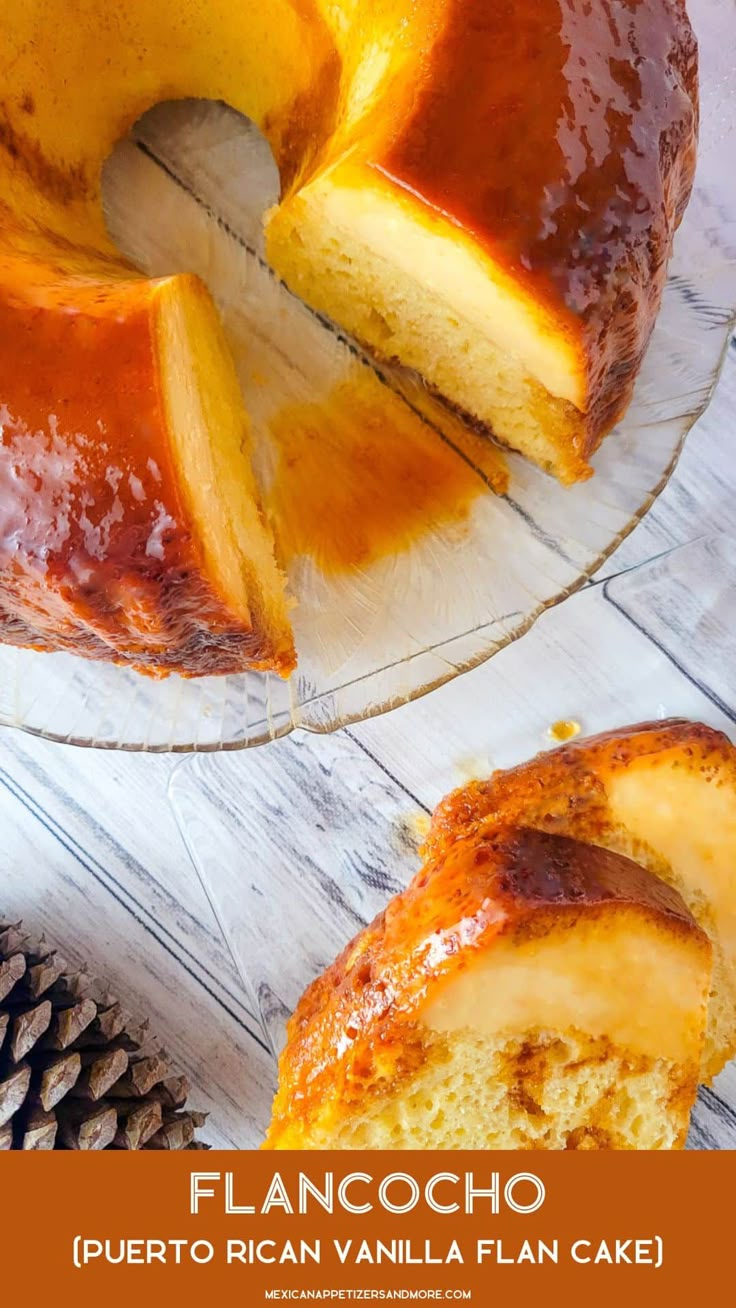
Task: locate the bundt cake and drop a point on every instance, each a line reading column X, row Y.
column 486, row 192
column 662, row 793
column 528, row 991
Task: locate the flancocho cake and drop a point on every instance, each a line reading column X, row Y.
column 486, row 192
column 560, row 974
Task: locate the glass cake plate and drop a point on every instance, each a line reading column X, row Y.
column 297, row 856
column 381, row 620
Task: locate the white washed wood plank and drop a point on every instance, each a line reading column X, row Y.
column 297, row 856
column 91, row 856
column 581, row 662
column 700, row 496
column 114, row 806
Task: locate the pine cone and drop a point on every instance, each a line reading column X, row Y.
column 74, row 1072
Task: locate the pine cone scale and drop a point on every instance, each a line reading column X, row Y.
column 11, row 972
column 13, row 1091
column 58, row 1079
column 27, row 1030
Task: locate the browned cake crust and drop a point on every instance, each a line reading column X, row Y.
column 356, row 1032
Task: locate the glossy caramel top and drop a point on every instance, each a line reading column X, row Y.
column 560, row 134
column 564, row 790
column 357, row 1029
column 99, row 553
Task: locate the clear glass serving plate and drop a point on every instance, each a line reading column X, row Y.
column 187, row 192
column 296, row 856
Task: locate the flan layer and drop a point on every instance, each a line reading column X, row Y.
column 526, row 991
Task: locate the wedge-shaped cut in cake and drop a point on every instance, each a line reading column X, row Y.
column 528, row 991
column 663, row 793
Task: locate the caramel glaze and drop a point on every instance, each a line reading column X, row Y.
column 564, row 790
column 561, row 134
column 360, row 476
column 97, row 555
column 357, row 1029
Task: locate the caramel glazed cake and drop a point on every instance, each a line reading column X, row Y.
column 561, row 973
column 484, row 191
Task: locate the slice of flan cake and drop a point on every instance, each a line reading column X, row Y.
column 662, row 793
column 527, row 991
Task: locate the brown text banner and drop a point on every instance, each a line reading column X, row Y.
column 343, row 1227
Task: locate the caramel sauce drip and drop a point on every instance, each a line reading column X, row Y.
column 564, row 729
column 360, row 476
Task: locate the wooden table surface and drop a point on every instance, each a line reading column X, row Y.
column 92, row 855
